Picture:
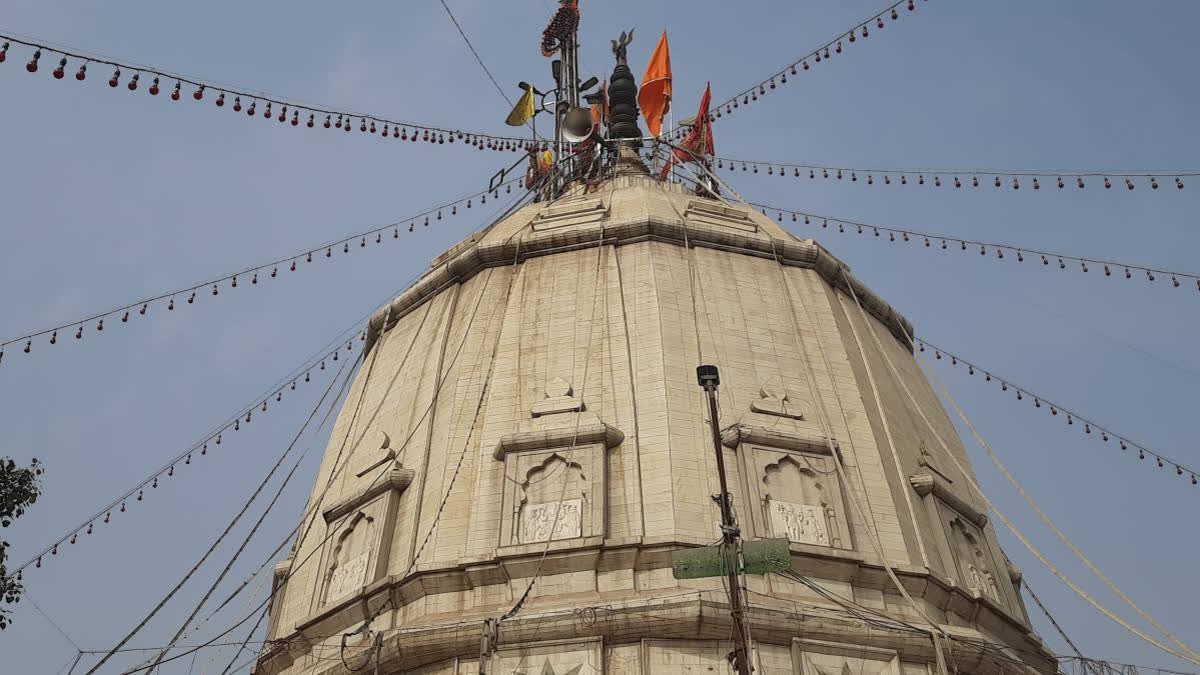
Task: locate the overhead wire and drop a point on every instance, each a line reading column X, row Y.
column 249, row 535
column 901, row 175
column 201, row 446
column 1049, row 617
column 970, row 480
column 935, row 630
column 487, row 378
column 290, row 108
column 601, row 287
column 1000, row 249
column 269, row 270
column 28, row 598
column 295, row 567
column 825, row 52
column 1125, row 442
column 221, row 537
column 474, row 52
column 1058, row 533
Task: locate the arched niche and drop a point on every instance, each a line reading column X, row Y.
column 791, row 484
column 974, row 559
column 346, row 567
column 554, row 501
column 796, row 502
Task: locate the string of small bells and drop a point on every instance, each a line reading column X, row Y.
column 959, row 179
column 803, row 64
column 1002, row 251
column 1072, row 419
column 311, row 368
column 271, row 270
column 270, row 108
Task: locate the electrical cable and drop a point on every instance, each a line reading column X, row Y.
column 201, row 446
column 296, row 566
column 602, row 288
column 907, row 234
column 970, row 480
column 935, row 629
column 475, row 53
column 1062, row 537
column 270, row 270
column 25, row 596
column 1105, row 433
column 1061, row 633
column 242, row 647
column 817, row 55
column 825, row 172
column 215, row 434
column 399, row 128
column 242, row 547
column 245, row 507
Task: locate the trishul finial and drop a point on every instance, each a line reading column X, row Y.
column 620, row 44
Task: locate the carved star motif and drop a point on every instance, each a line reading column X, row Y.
column 548, row 669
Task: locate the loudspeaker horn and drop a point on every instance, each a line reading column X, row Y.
column 578, row 125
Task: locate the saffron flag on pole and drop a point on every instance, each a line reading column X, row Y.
column 654, row 98
column 522, row 112
column 699, row 139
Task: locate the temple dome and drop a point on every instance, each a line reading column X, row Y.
column 528, row 410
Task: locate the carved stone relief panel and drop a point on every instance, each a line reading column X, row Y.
column 361, row 527
column 797, row 494
column 974, row 559
column 801, row 523
column 556, row 493
column 346, row 568
column 552, row 497
column 551, row 520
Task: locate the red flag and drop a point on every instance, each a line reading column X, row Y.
column 699, row 139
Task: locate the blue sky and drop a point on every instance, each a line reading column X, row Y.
column 110, row 195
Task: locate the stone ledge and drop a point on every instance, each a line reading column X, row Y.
column 476, row 253
column 925, row 483
column 734, row 435
column 558, row 438
column 397, row 479
column 679, row 615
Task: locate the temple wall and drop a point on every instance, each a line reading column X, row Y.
column 558, row 398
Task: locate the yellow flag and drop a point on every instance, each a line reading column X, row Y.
column 522, row 111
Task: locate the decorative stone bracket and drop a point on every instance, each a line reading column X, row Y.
column 775, row 401
column 398, row 479
column 927, row 483
column 586, row 434
column 559, row 399
column 735, row 435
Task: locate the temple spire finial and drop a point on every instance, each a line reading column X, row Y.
column 622, row 94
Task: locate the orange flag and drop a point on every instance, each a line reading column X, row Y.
column 655, row 95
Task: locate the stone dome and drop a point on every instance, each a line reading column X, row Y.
column 528, row 409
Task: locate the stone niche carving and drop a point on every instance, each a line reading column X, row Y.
column 362, row 524
column 963, row 545
column 347, row 568
column 555, row 484
column 974, row 559
column 553, row 500
column 792, row 488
